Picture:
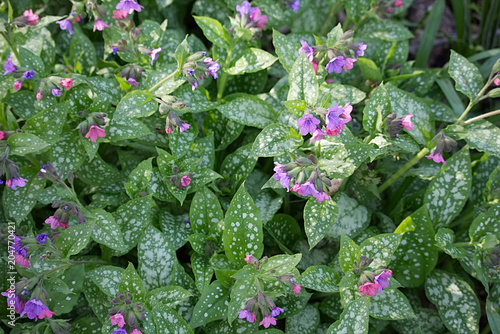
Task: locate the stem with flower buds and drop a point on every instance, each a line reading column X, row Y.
column 223, row 80
column 162, row 81
column 476, row 99
column 403, row 169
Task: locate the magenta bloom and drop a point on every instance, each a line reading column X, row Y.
column 39, row 95
column 258, row 18
column 497, row 82
column 369, row 289
column 117, row 319
column 120, row 14
column 267, row 321
column 16, row 182
column 406, row 122
column 398, row 3
column 308, row 50
column 99, row 24
column 21, row 260
column 129, row 6
column 9, row 66
column 153, row 54
column 296, row 288
column 136, row 331
column 335, row 64
column 436, row 156
column 246, row 314
column 31, row 17
column 307, row 123
column 322, row 196
column 54, row 222
column 132, row 82
column 295, row 5
column 360, row 52
column 2, row 136
column 95, row 132
column 67, row 83
column 35, row 309
column 66, row 25
column 318, row 134
column 184, row 127
column 382, row 279
column 185, row 181
column 29, row 74
column 18, row 85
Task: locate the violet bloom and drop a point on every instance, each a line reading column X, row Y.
column 213, row 66
column 34, row 309
column 267, row 321
column 184, row 127
column 41, row 238
column 276, row 311
column 29, row 74
column 335, row 124
column 56, row 92
column 295, row 5
column 66, row 25
column 335, row 64
column 322, row 196
column 119, row 331
column 308, row 188
column 246, row 314
column 132, row 82
column 282, row 175
column 360, row 52
column 369, row 289
column 16, row 182
column 154, row 54
column 308, row 50
column 95, row 132
column 129, row 6
column 9, row 66
column 99, row 24
column 12, row 299
column 382, row 280
column 114, row 49
column 244, row 9
column 307, row 123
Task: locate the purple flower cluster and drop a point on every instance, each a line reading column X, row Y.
column 197, row 65
column 129, row 6
column 35, row 309
column 21, row 74
column 254, row 15
column 266, row 305
column 334, row 119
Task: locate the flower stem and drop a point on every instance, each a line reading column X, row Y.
column 476, row 99
column 162, row 81
column 488, row 114
column 223, row 80
column 330, row 17
column 403, row 169
column 11, row 46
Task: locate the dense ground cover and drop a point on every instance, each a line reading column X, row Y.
column 220, row 166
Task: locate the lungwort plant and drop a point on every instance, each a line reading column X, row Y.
column 217, row 166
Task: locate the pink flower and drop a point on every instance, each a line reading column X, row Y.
column 247, row 258
column 296, row 288
column 350, row 63
column 46, row 313
column 406, row 122
column 16, row 182
column 117, row 319
column 251, row 317
column 185, row 181
column 398, row 3
column 31, row 17
column 54, row 222
column 120, row 14
column 318, row 134
column 2, row 135
column 95, row 132
column 296, row 188
column 136, row 331
column 153, row 54
column 67, row 83
column 184, row 127
column 497, row 81
column 39, row 95
column 21, row 260
column 329, row 81
column 18, row 84
column 260, row 19
column 382, row 279
column 436, row 156
column 322, row 196
column 132, row 82
column 99, row 24
column 267, row 321
column 315, row 66
column 369, row 288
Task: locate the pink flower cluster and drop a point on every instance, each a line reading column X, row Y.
column 334, row 120
column 118, row 319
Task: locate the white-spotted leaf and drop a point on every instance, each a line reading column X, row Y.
column 320, row 278
column 303, row 83
column 468, row 79
column 276, row 139
column 318, row 219
column 249, row 110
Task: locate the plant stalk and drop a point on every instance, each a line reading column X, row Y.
column 162, row 81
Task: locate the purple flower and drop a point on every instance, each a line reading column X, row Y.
column 194, row 84
column 129, row 6
column 114, row 49
column 244, row 8
column 9, row 66
column 99, row 24
column 282, row 175
column 16, row 182
column 119, row 331
column 307, row 123
column 276, row 311
column 267, row 321
column 29, row 74
column 382, row 280
column 246, row 314
column 308, row 50
column 132, row 82
column 56, row 92
column 14, row 300
column 66, row 25
column 41, row 238
column 307, row 189
column 318, row 134
column 213, row 66
column 34, row 309
column 360, row 52
column 322, row 196
column 154, row 54
column 184, row 127
column 295, row 5
column 335, row 124
column 335, row 64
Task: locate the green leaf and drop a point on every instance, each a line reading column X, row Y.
column 107, row 232
column 182, row 52
column 483, row 136
column 202, row 271
column 380, row 248
column 351, row 220
column 225, row 130
column 131, row 282
column 22, row 102
column 456, row 302
column 449, row 190
column 139, row 178
column 306, row 321
column 252, row 60
column 486, row 223
column 135, row 104
column 132, row 218
column 211, row 306
column 357, row 8
column 268, row 202
column 416, row 255
column 169, row 296
column 169, row 321
column 91, row 324
column 286, row 49
column 285, row 231
column 82, row 52
column 354, row 319
column 180, row 143
column 25, row 143
column 156, row 258
column 318, row 219
column 341, row 94
column 72, row 240
column 276, row 139
column 369, row 69
column 205, row 211
column 468, row 79
column 391, row 304
column 280, row 264
column 334, row 35
column 249, row 110
column 303, row 83
column 18, row 203
column 444, row 240
column 236, row 167
column 349, row 252
column 48, row 124
column 69, row 153
column 197, row 100
column 320, row 278
column 213, row 31
column 99, row 173
column 242, row 228
column 32, row 61
column 126, row 128
column 377, row 108
column 175, row 227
